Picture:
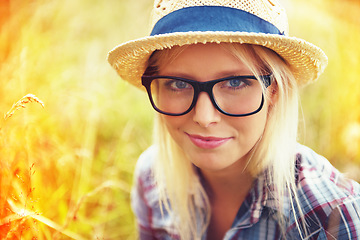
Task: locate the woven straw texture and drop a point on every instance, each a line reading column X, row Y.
column 269, row 10
column 305, row 59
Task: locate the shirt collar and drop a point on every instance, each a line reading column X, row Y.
column 259, row 199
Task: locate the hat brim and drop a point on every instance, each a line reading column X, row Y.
column 306, row 60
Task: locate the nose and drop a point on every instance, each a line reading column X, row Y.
column 205, row 114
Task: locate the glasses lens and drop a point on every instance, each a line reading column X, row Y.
column 238, row 95
column 172, row 95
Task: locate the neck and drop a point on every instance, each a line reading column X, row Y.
column 230, row 183
column 227, row 190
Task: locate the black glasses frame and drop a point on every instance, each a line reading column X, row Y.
column 204, row 87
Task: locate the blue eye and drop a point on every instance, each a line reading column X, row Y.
column 180, row 84
column 177, row 85
column 235, row 82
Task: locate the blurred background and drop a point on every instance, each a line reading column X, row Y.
column 66, row 168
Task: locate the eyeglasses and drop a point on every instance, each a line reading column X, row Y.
column 235, row 96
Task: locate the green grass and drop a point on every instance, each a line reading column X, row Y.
column 66, row 169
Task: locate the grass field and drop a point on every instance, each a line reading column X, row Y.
column 66, row 167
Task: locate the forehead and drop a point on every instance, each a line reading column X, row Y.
column 209, row 60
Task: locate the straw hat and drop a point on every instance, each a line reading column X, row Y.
column 182, row 22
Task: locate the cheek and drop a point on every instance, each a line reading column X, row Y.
column 252, row 127
column 173, row 124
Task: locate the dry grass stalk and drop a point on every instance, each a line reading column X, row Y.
column 22, row 104
column 24, row 214
column 108, row 184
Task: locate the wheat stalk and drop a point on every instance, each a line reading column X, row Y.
column 22, row 104
column 23, row 214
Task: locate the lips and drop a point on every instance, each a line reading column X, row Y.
column 207, row 142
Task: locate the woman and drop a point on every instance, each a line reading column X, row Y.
column 223, row 76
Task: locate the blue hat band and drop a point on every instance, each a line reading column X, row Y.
column 213, row 18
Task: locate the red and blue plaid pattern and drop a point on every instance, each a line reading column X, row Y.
column 330, row 204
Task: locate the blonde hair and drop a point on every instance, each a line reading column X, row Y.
column 180, row 189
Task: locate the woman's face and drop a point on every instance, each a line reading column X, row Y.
column 212, row 140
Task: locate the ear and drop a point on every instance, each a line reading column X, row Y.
column 272, row 92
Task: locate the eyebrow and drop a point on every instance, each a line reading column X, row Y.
column 219, row 75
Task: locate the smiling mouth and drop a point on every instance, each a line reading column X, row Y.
column 207, row 142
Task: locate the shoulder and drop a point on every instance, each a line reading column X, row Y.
column 144, row 182
column 153, row 221
column 146, row 160
column 330, row 202
column 315, row 175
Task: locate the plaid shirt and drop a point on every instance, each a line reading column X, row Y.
column 330, row 203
